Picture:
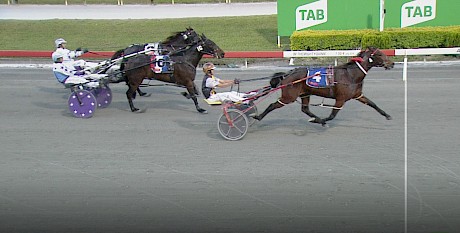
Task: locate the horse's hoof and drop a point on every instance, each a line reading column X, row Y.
column 255, row 117
column 389, row 117
column 316, row 120
column 186, row 95
column 202, row 111
column 139, row 110
column 146, row 94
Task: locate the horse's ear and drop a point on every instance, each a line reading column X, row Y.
column 371, row 48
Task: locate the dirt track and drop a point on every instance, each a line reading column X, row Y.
column 169, row 170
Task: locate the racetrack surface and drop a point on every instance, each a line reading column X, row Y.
column 169, row 170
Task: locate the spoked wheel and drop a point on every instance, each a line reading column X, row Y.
column 103, row 96
column 249, row 109
column 233, row 124
column 82, row 103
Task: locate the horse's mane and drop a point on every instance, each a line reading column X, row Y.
column 172, row 37
column 345, row 65
column 280, row 76
column 351, row 62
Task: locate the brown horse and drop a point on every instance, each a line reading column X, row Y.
column 348, row 85
column 184, row 63
column 176, row 41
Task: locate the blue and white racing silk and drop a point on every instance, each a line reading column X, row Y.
column 320, row 77
column 67, row 55
column 67, row 74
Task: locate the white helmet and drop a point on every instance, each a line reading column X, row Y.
column 208, row 66
column 59, row 42
column 56, row 56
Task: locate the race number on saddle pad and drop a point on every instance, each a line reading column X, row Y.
column 321, row 77
column 161, row 64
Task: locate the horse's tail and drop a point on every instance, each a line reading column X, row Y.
column 117, row 54
column 277, row 78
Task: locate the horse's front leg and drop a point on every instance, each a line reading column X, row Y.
column 192, row 95
column 306, row 109
column 143, row 94
column 363, row 99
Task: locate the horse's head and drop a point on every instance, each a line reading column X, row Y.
column 190, row 36
column 183, row 38
column 208, row 46
column 376, row 58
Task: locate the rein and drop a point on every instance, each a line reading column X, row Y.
column 99, row 54
column 256, row 79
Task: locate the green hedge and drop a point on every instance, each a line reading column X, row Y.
column 395, row 38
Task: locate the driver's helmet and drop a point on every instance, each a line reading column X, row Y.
column 59, row 41
column 208, row 66
column 55, row 56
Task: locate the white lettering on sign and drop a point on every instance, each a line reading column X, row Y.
column 328, row 53
column 311, row 14
column 417, row 11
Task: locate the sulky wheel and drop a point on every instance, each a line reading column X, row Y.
column 233, row 124
column 103, row 96
column 82, row 103
column 249, row 109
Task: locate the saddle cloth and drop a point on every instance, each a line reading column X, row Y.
column 161, row 64
column 321, row 77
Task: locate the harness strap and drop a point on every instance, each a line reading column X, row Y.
column 359, row 97
column 279, row 101
column 361, row 67
column 304, row 96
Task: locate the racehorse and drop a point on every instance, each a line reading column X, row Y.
column 174, row 42
column 348, row 84
column 184, row 63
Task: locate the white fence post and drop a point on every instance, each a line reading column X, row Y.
column 405, row 69
column 382, row 15
column 120, row 2
column 66, row 3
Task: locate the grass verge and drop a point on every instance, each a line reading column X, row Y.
column 248, row 33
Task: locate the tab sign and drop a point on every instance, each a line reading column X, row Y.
column 417, row 11
column 311, row 14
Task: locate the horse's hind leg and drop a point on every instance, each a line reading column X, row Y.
column 335, row 109
column 131, row 94
column 271, row 107
column 363, row 99
column 143, row 94
column 306, row 110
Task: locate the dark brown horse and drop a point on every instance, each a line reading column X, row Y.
column 184, row 63
column 176, row 41
column 348, row 85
